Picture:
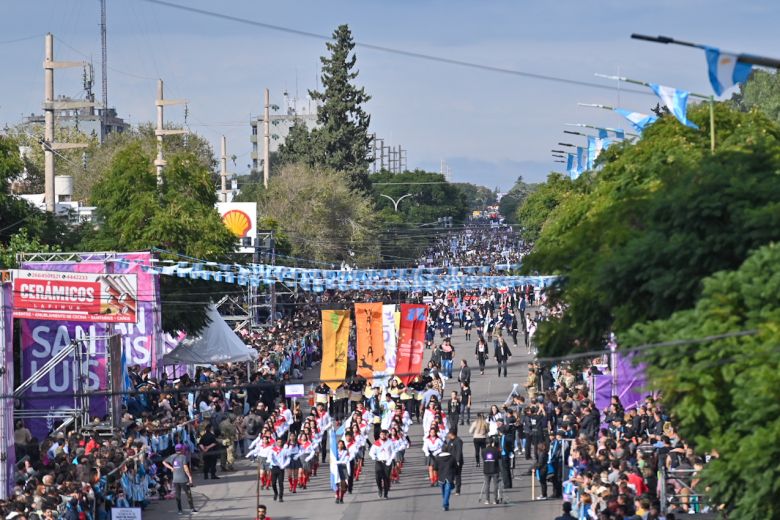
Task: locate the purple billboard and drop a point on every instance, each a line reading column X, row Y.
column 42, row 339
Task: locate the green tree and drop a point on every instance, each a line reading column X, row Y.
column 760, row 92
column 341, row 141
column 22, row 242
column 514, row 198
column 635, row 239
column 477, row 197
column 178, row 216
column 323, row 218
column 17, row 215
column 535, row 206
column 725, row 394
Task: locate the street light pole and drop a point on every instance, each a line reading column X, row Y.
column 394, row 201
column 752, row 59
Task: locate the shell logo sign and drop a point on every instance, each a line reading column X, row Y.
column 237, row 222
column 241, row 219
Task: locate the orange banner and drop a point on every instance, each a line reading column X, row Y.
column 370, row 339
column 335, row 342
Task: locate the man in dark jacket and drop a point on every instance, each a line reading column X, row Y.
column 502, row 354
column 454, row 445
column 446, row 468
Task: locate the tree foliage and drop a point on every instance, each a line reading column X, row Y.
column 533, row 208
column 761, row 92
column 20, row 220
column 341, row 141
column 477, row 197
column 515, row 197
column 725, row 394
column 323, row 218
column 179, row 216
column 635, row 239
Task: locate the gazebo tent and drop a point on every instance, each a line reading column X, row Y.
column 216, row 344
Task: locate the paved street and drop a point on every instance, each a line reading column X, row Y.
column 233, row 497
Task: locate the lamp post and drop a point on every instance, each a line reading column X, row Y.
column 396, row 201
column 752, row 59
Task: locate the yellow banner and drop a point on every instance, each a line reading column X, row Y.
column 335, row 342
column 370, row 339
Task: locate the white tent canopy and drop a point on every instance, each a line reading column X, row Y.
column 217, row 344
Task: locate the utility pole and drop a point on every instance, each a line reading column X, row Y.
column 266, row 138
column 49, row 106
column 401, row 159
column 382, row 155
column 373, row 146
column 160, row 131
column 104, row 68
column 223, row 168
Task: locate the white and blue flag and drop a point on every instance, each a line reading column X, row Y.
column 334, row 455
column 570, row 167
column 676, row 101
column 582, row 161
column 638, row 120
column 725, row 70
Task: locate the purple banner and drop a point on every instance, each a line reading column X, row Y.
column 631, row 384
column 7, row 451
column 42, row 339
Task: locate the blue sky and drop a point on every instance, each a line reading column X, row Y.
column 489, row 127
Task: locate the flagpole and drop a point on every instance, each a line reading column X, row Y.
column 752, row 59
column 614, row 130
column 711, row 99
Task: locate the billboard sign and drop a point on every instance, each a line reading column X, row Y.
column 241, row 219
column 71, row 296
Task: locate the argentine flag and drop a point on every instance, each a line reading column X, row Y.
column 638, row 120
column 570, row 166
column 334, row 455
column 725, row 70
column 676, row 101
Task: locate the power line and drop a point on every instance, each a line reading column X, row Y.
column 391, row 50
column 24, row 38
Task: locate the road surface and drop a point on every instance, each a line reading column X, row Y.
column 233, row 497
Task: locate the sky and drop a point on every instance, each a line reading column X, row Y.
column 489, row 127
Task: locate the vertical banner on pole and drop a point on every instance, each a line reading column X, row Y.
column 389, row 335
column 411, row 341
column 370, row 341
column 335, row 342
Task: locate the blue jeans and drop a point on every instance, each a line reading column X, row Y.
column 446, row 491
column 446, row 367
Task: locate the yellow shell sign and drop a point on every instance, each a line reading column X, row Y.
column 237, row 222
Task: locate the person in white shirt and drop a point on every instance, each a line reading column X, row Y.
column 383, row 452
column 342, row 463
column 432, row 445
column 278, row 460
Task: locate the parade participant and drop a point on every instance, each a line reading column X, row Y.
column 468, row 323
column 182, row 477
column 479, row 431
column 342, row 463
column 432, row 445
column 324, row 422
column 400, row 443
column 260, row 452
column 453, row 408
column 294, row 466
column 501, row 353
column 465, row 402
column 383, row 454
column 360, row 442
column 445, row 473
column 447, row 352
column 349, row 442
column 278, row 461
column 481, row 353
column 261, row 512
column 308, row 452
column 464, row 375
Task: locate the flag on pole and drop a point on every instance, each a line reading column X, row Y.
column 603, row 134
column 676, row 101
column 638, row 120
column 582, row 161
column 334, row 455
column 725, row 70
column 592, row 152
column 619, row 133
column 570, row 168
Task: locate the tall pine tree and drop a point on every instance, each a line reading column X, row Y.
column 341, row 141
